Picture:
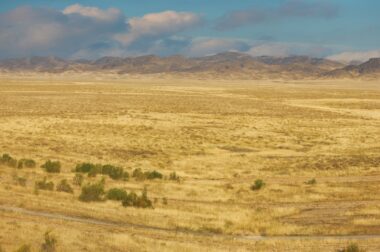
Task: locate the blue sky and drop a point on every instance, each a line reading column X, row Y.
column 343, row 30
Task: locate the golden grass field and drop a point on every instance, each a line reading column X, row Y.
column 219, row 137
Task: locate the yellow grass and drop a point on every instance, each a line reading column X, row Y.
column 219, row 137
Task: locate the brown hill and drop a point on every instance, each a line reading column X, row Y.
column 229, row 64
column 369, row 69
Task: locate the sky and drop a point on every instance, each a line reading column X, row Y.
column 343, row 30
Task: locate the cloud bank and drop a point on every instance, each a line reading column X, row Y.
column 89, row 32
column 289, row 9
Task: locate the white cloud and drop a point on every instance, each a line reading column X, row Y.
column 347, row 57
column 158, row 25
column 110, row 14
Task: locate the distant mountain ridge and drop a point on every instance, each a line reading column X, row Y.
column 228, row 64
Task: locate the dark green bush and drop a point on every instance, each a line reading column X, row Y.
column 311, row 182
column 6, row 159
column 52, row 166
column 139, row 175
column 112, row 171
column 134, row 200
column 153, row 175
column 173, row 176
column 64, row 186
column 78, row 179
column 116, row 194
column 258, row 185
column 92, row 192
column 28, row 163
column 44, row 185
column 84, row 167
column 353, row 247
column 49, row 244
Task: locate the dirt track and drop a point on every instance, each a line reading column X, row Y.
column 92, row 221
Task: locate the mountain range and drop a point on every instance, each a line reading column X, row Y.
column 223, row 65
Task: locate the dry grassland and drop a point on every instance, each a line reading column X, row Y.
column 219, row 137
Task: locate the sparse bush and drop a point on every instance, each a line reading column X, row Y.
column 311, row 182
column 153, row 175
column 63, row 186
column 24, row 248
column 6, row 159
column 173, row 176
column 49, row 244
column 78, row 179
column 92, row 192
column 44, row 185
column 113, row 172
column 116, row 194
column 258, row 185
column 134, row 200
column 21, row 181
column 139, row 175
column 28, row 163
column 353, row 247
column 84, row 167
column 52, row 166
column 92, row 170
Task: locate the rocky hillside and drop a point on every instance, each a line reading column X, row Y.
column 229, row 64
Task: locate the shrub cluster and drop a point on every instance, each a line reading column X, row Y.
column 92, row 192
column 140, row 175
column 6, row 159
column 114, row 172
column 28, row 163
column 173, row 176
column 49, row 244
column 52, row 166
column 78, row 179
column 353, row 247
column 130, row 199
column 45, row 185
column 258, row 185
column 64, row 186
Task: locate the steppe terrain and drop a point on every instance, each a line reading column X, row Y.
column 315, row 144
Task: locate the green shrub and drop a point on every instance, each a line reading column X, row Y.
column 132, row 199
column 258, row 185
column 92, row 192
column 353, row 247
column 44, row 185
column 21, row 181
column 63, row 186
column 139, row 175
column 28, row 163
column 311, row 182
column 153, row 175
column 84, row 167
column 6, row 159
column 116, row 194
column 52, row 166
column 24, row 248
column 50, row 243
column 173, row 176
column 78, row 179
column 112, row 171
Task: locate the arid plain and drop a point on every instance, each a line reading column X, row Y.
column 315, row 145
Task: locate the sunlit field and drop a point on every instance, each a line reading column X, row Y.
column 245, row 165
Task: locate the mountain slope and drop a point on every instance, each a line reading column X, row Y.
column 229, row 64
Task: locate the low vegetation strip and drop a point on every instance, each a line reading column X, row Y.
column 93, row 221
